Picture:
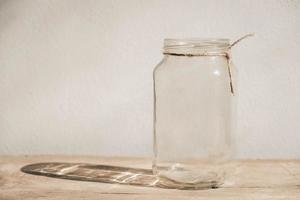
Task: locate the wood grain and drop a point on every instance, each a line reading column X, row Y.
column 249, row 179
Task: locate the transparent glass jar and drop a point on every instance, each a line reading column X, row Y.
column 192, row 113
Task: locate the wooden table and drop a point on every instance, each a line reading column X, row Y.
column 250, row 179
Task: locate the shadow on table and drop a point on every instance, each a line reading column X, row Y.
column 94, row 173
column 107, row 174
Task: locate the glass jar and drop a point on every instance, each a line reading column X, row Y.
column 192, row 113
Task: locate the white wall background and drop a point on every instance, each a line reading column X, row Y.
column 76, row 76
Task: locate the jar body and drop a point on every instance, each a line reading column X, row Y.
column 192, row 121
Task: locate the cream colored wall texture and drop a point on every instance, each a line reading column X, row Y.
column 76, row 76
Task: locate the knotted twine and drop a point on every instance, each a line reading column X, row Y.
column 225, row 54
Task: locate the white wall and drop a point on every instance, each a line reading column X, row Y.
column 76, row 76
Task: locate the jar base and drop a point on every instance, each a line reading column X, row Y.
column 187, row 177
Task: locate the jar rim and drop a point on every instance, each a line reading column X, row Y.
column 196, row 45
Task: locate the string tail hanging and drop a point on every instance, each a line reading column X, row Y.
column 229, row 73
column 229, row 59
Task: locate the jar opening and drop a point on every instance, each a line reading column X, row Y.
column 194, row 46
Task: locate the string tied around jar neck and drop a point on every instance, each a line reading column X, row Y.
column 226, row 54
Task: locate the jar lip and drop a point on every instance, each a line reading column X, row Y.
column 168, row 41
column 196, row 45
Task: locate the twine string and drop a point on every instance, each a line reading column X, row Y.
column 240, row 39
column 229, row 63
column 226, row 54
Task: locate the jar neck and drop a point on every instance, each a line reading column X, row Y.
column 194, row 47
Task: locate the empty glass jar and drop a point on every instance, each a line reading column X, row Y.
column 192, row 113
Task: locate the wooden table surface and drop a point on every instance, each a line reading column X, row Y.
column 249, row 179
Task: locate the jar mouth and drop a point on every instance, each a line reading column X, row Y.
column 194, row 46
